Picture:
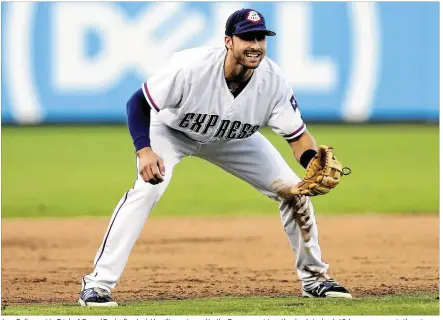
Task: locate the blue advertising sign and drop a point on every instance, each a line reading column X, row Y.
column 349, row 61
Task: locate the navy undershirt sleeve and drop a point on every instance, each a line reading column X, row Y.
column 139, row 120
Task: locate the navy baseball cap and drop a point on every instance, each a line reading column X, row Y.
column 246, row 20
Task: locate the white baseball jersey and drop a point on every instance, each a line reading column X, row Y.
column 191, row 95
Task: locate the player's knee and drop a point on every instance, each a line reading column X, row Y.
column 147, row 190
column 286, row 202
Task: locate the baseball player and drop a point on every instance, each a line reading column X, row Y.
column 210, row 102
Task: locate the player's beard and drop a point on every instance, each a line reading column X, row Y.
column 248, row 63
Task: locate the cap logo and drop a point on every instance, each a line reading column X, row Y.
column 253, row 17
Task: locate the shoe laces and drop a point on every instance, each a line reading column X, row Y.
column 101, row 292
column 324, row 277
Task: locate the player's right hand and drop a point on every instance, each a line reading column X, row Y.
column 151, row 167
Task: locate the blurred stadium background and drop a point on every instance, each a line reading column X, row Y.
column 366, row 76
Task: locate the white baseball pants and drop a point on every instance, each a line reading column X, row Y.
column 254, row 160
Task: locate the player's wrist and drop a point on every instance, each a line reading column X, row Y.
column 142, row 142
column 307, row 156
column 144, row 151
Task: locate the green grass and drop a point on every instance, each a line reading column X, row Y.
column 386, row 305
column 67, row 171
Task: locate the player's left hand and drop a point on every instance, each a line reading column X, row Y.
column 323, row 174
column 151, row 166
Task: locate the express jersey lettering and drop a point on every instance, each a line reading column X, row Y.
column 191, row 95
column 200, row 123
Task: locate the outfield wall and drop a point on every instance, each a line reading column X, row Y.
column 79, row 62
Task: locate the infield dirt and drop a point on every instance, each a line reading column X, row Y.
column 43, row 260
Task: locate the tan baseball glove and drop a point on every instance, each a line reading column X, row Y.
column 322, row 174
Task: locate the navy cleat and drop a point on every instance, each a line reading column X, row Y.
column 96, row 297
column 327, row 289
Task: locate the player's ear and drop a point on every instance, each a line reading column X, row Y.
column 228, row 42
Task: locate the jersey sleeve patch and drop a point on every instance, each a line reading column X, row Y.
column 296, row 133
column 293, row 102
column 148, row 97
